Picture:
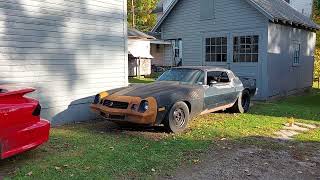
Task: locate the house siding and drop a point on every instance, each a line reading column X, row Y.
column 284, row 78
column 69, row 50
column 157, row 51
column 231, row 18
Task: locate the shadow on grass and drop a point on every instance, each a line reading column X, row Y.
column 304, row 107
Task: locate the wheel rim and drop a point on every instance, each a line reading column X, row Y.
column 179, row 117
column 245, row 101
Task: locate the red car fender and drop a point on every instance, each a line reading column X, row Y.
column 21, row 127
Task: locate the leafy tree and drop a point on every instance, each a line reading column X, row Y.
column 144, row 18
column 316, row 18
column 317, row 63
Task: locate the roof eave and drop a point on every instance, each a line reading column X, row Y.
column 154, row 29
column 261, row 10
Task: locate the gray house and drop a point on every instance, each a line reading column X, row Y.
column 266, row 40
column 68, row 50
column 303, row 6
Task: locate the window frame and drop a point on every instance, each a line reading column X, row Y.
column 296, row 53
column 251, row 49
column 212, row 46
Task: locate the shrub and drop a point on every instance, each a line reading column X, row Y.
column 317, row 63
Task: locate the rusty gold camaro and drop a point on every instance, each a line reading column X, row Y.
column 177, row 96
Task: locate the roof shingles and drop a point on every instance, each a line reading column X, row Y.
column 282, row 11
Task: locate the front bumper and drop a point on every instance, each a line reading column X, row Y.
column 18, row 140
column 128, row 115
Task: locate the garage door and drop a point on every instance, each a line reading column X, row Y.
column 238, row 52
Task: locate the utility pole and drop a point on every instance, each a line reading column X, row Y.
column 133, row 14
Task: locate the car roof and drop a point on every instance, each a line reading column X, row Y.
column 203, row 68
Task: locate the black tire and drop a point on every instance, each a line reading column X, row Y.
column 178, row 117
column 242, row 105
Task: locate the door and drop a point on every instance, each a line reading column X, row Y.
column 177, row 52
column 221, row 91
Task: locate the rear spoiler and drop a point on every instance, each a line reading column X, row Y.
column 10, row 92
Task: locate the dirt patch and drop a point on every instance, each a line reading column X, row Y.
column 238, row 160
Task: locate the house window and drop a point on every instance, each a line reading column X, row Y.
column 246, row 49
column 296, row 53
column 216, row 49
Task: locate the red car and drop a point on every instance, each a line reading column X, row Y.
column 21, row 127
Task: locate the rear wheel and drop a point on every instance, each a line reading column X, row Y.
column 242, row 104
column 178, row 118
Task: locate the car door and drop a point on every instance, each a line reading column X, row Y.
column 220, row 91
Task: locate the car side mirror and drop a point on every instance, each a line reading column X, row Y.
column 213, row 82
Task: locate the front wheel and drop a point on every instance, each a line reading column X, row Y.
column 242, row 104
column 178, row 118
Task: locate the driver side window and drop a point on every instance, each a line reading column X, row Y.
column 217, row 77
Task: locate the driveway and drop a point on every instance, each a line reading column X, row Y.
column 274, row 159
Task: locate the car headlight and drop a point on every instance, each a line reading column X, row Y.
column 96, row 99
column 144, row 106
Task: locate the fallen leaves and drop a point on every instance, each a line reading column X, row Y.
column 29, row 173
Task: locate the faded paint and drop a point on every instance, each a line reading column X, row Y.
column 164, row 94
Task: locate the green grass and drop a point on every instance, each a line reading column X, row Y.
column 92, row 151
column 141, row 80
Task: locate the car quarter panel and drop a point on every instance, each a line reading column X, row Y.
column 21, row 127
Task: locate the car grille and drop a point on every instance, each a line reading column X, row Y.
column 116, row 104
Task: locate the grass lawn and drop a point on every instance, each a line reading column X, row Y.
column 96, row 152
column 141, row 80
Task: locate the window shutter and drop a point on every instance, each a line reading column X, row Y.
column 206, row 9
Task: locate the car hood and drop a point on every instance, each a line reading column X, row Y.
column 152, row 89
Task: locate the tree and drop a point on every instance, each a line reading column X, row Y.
column 316, row 18
column 317, row 64
column 144, row 19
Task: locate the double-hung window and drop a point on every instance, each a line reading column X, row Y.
column 245, row 49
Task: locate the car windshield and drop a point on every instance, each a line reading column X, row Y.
column 181, row 75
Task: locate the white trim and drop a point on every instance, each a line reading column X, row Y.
column 125, row 34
